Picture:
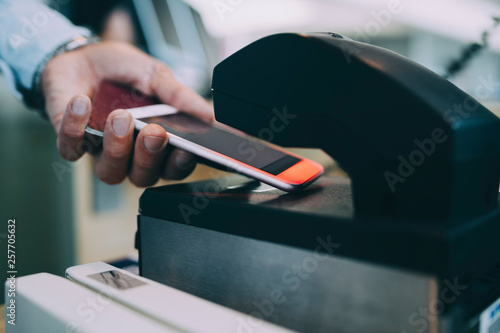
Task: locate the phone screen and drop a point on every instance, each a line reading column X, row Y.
column 239, row 147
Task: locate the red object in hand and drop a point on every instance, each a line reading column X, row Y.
column 111, row 96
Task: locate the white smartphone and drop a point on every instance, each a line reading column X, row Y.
column 220, row 144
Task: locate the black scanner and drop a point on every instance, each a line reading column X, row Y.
column 408, row 138
column 420, row 209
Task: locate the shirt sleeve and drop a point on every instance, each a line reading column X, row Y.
column 29, row 33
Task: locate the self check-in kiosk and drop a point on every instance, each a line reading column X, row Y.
column 409, row 244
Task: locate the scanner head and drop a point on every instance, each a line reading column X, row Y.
column 414, row 145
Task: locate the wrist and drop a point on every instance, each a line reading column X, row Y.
column 34, row 97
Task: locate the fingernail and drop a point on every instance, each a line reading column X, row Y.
column 153, row 143
column 184, row 160
column 121, row 125
column 79, row 106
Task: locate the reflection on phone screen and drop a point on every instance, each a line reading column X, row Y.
column 241, row 148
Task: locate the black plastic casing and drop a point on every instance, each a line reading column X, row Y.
column 422, row 155
column 372, row 110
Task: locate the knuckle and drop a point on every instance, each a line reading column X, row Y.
column 146, row 163
column 116, row 154
column 71, row 133
column 109, row 178
column 157, row 73
column 175, row 94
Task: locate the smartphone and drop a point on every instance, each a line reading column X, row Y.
column 228, row 148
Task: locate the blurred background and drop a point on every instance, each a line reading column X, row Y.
column 66, row 216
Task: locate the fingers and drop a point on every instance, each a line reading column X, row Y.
column 164, row 85
column 149, row 153
column 179, row 164
column 70, row 141
column 79, row 72
column 148, row 75
column 112, row 164
column 64, row 77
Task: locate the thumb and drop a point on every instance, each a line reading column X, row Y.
column 72, row 129
column 64, row 77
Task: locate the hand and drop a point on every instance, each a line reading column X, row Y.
column 70, row 79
